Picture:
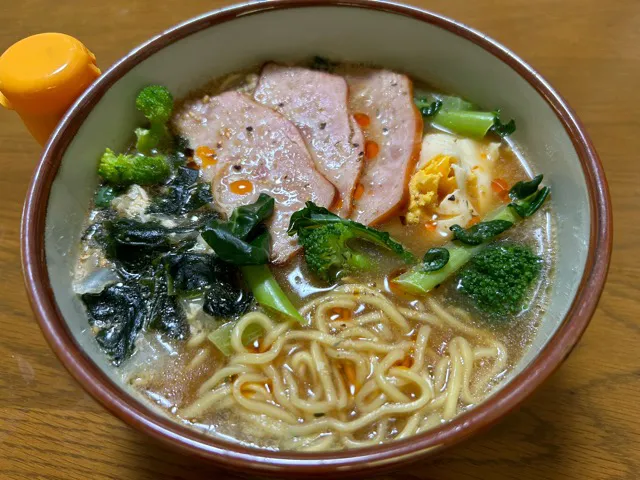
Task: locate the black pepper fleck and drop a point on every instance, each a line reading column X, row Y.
column 249, row 128
column 323, row 125
column 452, row 198
column 219, row 145
column 361, row 154
column 356, row 145
column 281, row 104
column 237, row 168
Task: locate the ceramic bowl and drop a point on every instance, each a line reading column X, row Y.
column 427, row 46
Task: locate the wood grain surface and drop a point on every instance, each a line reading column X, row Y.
column 584, row 423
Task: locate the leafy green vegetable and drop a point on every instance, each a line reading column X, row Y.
column 184, row 194
column 156, row 103
column 221, row 337
column 435, row 259
column 531, row 204
column 241, row 240
column 267, row 291
column 502, row 129
column 465, row 123
column 499, row 277
column 432, row 109
column 449, row 102
column 126, row 169
column 104, row 195
column 418, row 281
column 528, row 198
column 117, row 314
column 524, row 189
column 480, row 232
column 461, row 117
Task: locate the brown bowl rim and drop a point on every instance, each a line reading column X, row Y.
column 247, row 459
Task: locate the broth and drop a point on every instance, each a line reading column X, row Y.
column 326, row 385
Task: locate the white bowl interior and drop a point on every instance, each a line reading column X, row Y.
column 425, row 51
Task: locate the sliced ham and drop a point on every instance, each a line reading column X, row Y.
column 256, row 150
column 316, row 102
column 392, row 137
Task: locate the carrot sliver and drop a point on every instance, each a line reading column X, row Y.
column 499, row 185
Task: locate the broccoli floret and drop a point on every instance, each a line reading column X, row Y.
column 156, row 103
column 126, row 169
column 498, row 278
column 327, row 253
column 324, row 236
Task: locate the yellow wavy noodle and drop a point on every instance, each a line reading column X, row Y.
column 381, row 374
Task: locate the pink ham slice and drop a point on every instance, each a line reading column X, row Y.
column 253, row 143
column 396, row 127
column 316, row 102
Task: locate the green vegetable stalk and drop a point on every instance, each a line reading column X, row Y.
column 244, row 241
column 420, row 281
column 267, row 291
column 526, row 197
column 461, row 117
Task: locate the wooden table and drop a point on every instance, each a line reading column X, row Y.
column 583, row 424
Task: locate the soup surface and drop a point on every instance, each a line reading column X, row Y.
column 401, row 296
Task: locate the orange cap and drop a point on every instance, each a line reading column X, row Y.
column 41, row 76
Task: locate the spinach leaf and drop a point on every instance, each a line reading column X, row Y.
column 432, row 109
column 480, row 232
column 531, row 204
column 247, row 217
column 502, row 129
column 117, row 313
column 435, row 259
column 232, row 240
column 522, row 189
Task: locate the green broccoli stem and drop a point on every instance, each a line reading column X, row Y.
column 268, row 293
column 418, row 281
column 360, row 261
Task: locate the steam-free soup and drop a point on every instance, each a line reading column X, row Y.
column 316, row 257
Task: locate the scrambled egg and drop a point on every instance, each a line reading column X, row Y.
column 435, row 180
column 452, row 181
